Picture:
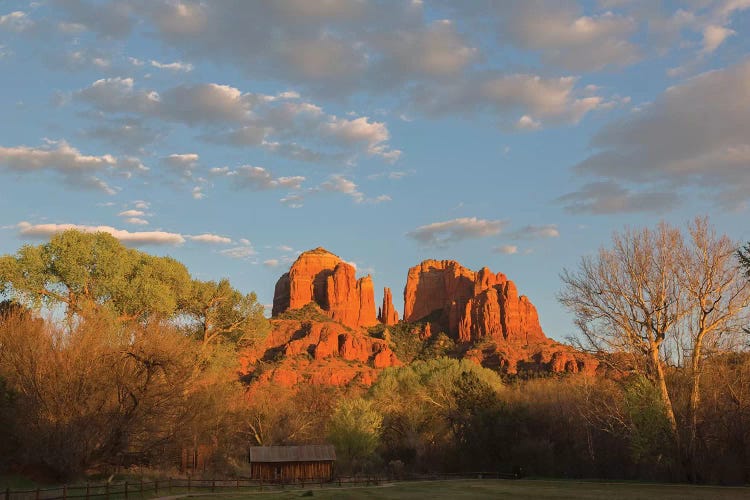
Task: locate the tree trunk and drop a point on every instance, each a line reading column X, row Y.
column 666, row 400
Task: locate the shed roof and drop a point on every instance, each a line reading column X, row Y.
column 306, row 453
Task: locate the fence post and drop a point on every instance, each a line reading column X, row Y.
column 213, row 485
column 156, row 486
column 188, row 482
column 88, row 490
column 38, row 492
column 7, row 493
column 169, row 485
column 140, row 488
column 238, row 483
column 106, row 490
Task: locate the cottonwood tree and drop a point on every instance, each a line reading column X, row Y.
column 220, row 312
column 661, row 298
column 84, row 271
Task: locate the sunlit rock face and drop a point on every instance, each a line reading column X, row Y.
column 323, row 278
column 470, row 305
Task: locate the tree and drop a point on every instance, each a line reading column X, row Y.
column 354, row 430
column 660, row 300
column 81, row 271
column 222, row 312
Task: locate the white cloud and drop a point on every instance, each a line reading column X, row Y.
column 132, row 213
column 271, row 262
column 198, row 193
column 692, row 136
column 133, row 238
column 506, row 249
column 16, row 21
column 568, row 39
column 141, row 205
column 177, row 66
column 278, row 123
column 210, row 238
column 184, row 163
column 714, row 36
column 528, row 123
column 524, row 100
column 608, row 197
column 241, row 252
column 442, row 233
column 435, row 50
column 340, row 184
column 536, row 232
column 76, row 168
column 260, row 179
column 136, row 221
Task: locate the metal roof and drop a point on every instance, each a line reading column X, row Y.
column 307, row 453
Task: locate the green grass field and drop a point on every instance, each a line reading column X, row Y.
column 523, row 489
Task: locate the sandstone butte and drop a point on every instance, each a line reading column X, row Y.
column 481, row 311
column 484, row 309
column 323, row 278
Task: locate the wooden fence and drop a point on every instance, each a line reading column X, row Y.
column 173, row 486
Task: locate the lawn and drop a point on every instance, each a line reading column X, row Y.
column 523, row 489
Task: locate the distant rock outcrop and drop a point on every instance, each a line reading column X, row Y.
column 323, row 278
column 470, row 305
column 320, row 310
column 387, row 314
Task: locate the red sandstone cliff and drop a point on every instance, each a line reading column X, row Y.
column 470, row 305
column 323, row 278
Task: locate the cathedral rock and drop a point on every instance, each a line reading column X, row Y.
column 322, row 277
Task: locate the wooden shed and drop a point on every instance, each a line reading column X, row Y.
column 292, row 463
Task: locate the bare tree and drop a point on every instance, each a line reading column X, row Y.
column 660, row 299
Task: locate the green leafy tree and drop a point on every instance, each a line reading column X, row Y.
column 354, row 429
column 220, row 312
column 83, row 271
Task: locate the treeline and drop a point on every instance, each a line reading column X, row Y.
column 446, row 415
column 137, row 361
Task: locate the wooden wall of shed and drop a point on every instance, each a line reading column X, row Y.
column 291, row 471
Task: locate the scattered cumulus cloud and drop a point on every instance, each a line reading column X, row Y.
column 532, row 232
column 177, row 66
column 506, row 249
column 26, row 229
column 694, row 135
column 210, row 238
column 76, row 168
column 442, row 233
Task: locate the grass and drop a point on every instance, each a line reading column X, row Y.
column 491, row 488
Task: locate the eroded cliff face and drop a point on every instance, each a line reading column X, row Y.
column 470, row 305
column 323, row 278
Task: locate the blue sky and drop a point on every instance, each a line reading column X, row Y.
column 233, row 135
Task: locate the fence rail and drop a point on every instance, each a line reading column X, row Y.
column 154, row 488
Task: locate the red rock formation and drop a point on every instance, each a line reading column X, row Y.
column 470, row 305
column 322, row 277
column 388, row 315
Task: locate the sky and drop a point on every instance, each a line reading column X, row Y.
column 233, row 135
